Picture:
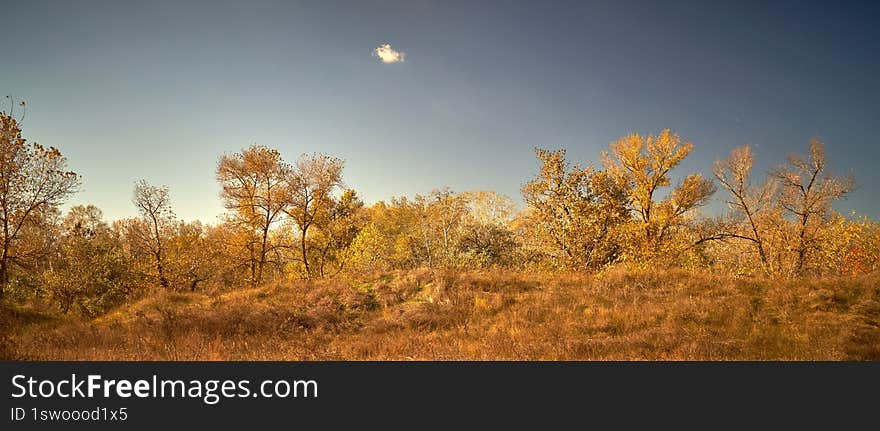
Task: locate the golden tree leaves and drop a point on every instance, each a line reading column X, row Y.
column 644, row 162
column 577, row 210
column 34, row 181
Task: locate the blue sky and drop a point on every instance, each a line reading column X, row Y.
column 159, row 90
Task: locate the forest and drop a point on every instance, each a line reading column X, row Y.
column 607, row 260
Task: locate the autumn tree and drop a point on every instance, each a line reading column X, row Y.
column 577, row 209
column 484, row 237
column 34, row 181
column 850, row 246
column 368, row 250
column 485, row 244
column 644, row 162
column 488, row 207
column 748, row 202
column 807, row 191
column 154, row 205
column 88, row 268
column 334, row 232
column 448, row 210
column 255, row 189
column 189, row 254
column 403, row 227
column 423, row 208
column 311, row 183
column 220, row 255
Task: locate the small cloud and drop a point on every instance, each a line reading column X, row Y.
column 388, row 55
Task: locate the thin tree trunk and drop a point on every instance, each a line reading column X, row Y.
column 159, row 267
column 263, row 254
column 253, row 264
column 4, row 275
column 4, row 259
column 427, row 242
column 760, row 243
column 302, row 244
column 265, row 228
column 802, row 248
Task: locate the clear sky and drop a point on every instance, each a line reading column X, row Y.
column 159, row 90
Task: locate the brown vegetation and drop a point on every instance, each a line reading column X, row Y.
column 445, row 315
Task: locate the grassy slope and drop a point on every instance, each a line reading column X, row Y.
column 499, row 315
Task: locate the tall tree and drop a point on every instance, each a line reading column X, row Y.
column 255, row 191
column 421, row 206
column 807, row 192
column 154, row 205
column 748, row 202
column 311, row 182
column 449, row 209
column 645, row 162
column 34, row 180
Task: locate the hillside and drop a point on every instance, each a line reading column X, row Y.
column 443, row 315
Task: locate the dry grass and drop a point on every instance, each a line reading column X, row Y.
column 418, row 315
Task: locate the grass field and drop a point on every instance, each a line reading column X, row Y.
column 445, row 315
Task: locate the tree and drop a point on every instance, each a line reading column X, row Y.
column 336, row 229
column 367, row 250
column 220, row 257
column 448, row 209
column 88, row 268
column 484, row 237
column 422, row 207
column 188, row 254
column 34, row 181
column 747, row 202
column 255, row 189
column 807, row 192
column 577, row 210
column 310, row 184
column 154, row 205
column 850, row 246
column 486, row 244
column 644, row 163
column 488, row 207
column 406, row 231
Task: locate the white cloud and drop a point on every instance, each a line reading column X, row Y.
column 388, row 55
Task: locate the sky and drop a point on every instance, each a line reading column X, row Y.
column 416, row 95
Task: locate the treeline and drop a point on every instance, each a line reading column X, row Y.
column 299, row 220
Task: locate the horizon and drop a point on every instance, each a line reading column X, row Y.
column 160, row 91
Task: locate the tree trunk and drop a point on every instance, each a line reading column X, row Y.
column 427, row 242
column 4, row 268
column 253, row 264
column 302, row 244
column 263, row 254
column 4, row 261
column 802, row 247
column 162, row 280
column 4, row 275
column 765, row 263
column 159, row 267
